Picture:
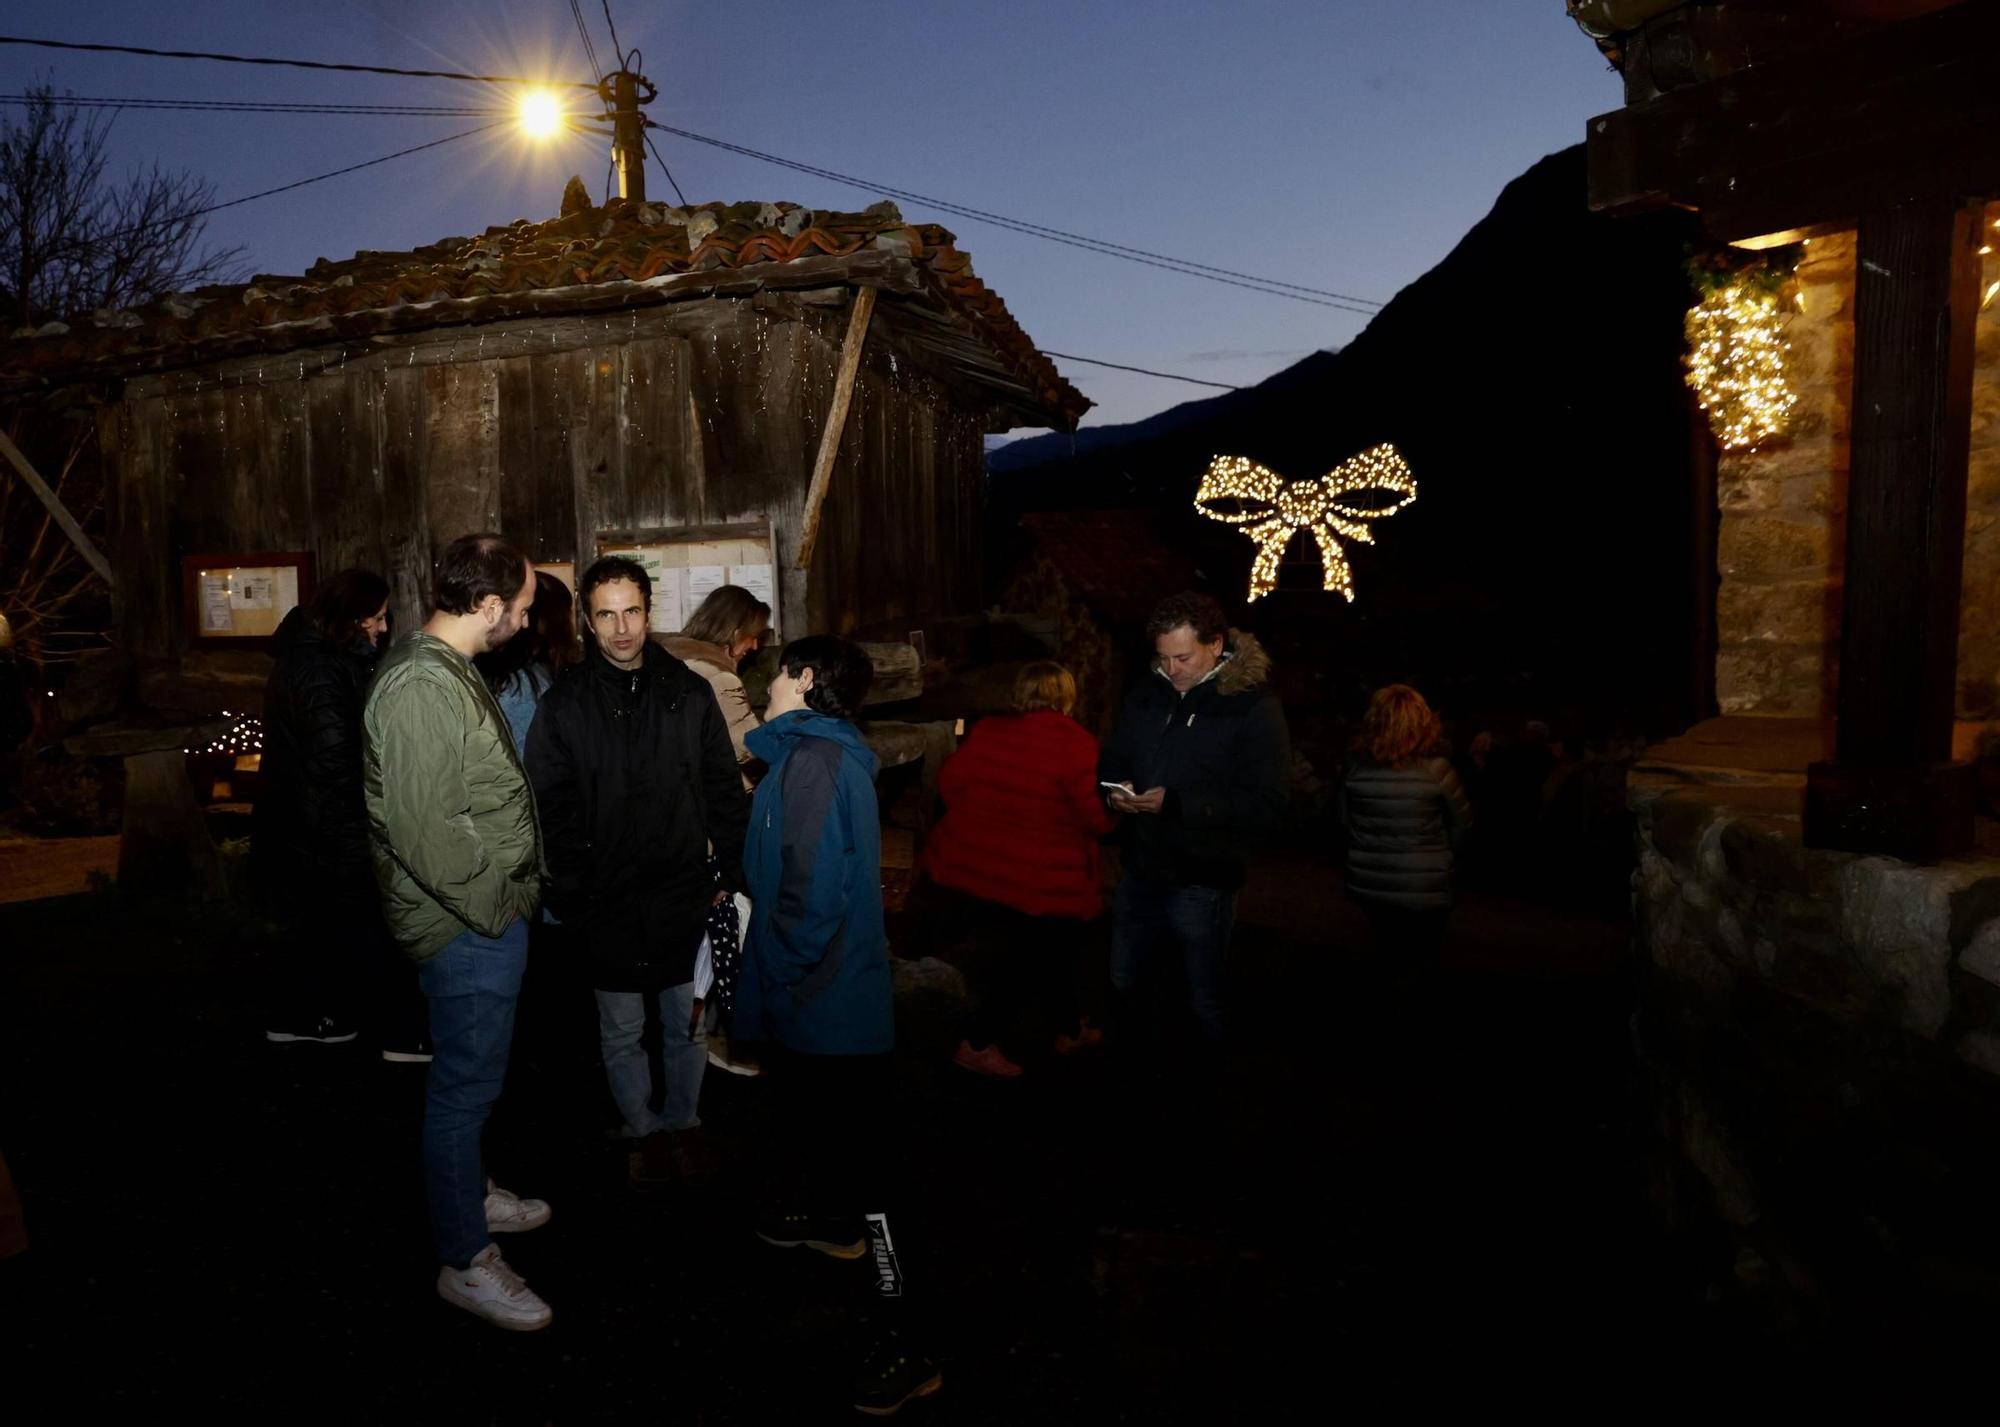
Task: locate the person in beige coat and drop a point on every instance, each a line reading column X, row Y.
column 725, row 630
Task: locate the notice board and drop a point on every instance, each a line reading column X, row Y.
column 686, row 564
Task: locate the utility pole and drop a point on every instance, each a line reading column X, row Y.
column 628, row 134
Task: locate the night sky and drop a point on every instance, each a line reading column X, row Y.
column 1342, row 145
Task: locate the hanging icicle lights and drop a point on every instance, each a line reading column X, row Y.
column 1737, row 366
column 1238, row 491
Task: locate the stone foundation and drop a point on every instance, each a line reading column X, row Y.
column 1819, row 1031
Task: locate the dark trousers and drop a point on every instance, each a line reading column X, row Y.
column 338, row 960
column 1023, row 976
column 835, row 1151
column 1156, row 919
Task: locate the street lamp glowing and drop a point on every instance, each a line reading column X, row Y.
column 540, row 114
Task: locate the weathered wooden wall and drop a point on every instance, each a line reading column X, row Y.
column 703, row 414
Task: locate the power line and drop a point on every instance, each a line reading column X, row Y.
column 290, row 63
column 665, row 170
column 1142, row 371
column 1321, row 297
column 589, row 50
column 300, row 183
column 613, row 24
column 253, row 106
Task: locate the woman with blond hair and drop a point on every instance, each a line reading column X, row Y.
column 1405, row 814
column 1018, row 843
column 726, row 628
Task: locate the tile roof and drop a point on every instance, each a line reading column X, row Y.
column 473, row 279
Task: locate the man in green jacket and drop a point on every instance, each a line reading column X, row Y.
column 458, row 857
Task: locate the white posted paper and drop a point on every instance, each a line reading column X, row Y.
column 703, row 581
column 754, row 578
column 216, row 617
column 252, row 589
column 668, row 617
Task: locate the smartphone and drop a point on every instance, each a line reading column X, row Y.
column 1125, row 788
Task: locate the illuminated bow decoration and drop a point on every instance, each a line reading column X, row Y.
column 1271, row 509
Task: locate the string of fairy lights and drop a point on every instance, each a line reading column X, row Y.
column 1237, row 491
column 1737, row 364
column 242, row 737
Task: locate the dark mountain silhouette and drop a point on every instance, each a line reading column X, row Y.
column 1556, row 557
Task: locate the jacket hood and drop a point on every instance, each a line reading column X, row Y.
column 1249, row 667
column 690, row 651
column 772, row 740
column 1244, row 665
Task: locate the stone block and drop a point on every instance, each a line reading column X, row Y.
column 1747, row 494
column 1770, row 547
column 1679, row 820
column 1898, row 920
column 1796, row 611
column 1981, row 956
column 1765, row 856
column 1791, row 679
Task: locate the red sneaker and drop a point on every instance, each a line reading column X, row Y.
column 1087, row 1037
column 990, row 1061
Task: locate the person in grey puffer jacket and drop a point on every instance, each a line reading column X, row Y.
column 1405, row 814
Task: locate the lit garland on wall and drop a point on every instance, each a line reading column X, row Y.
column 1736, row 359
column 1238, row 491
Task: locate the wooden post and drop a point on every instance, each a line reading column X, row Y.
column 57, row 509
column 1892, row 787
column 836, row 421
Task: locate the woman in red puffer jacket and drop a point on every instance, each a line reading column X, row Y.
column 1018, row 843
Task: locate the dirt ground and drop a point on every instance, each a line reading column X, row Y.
column 1398, row 1200
column 32, row 868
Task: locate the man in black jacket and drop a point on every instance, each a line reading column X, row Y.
column 1203, row 760
column 637, row 781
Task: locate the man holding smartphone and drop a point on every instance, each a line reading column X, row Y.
column 1200, row 764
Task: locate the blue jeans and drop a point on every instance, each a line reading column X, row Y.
column 1151, row 917
column 472, row 986
column 621, row 1033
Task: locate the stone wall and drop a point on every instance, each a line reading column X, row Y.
column 1819, row 1041
column 1783, row 521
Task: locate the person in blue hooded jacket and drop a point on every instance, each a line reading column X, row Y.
column 815, row 990
column 815, row 978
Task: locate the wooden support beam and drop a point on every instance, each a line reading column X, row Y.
column 836, row 421
column 1817, row 138
column 58, row 510
column 1892, row 786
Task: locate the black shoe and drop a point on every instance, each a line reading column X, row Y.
column 836, row 1238
column 890, row 1376
column 413, row 1051
column 324, row 1031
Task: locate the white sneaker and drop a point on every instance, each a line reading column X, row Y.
column 508, row 1213
column 495, row 1292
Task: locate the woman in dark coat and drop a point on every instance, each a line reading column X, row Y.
column 309, row 844
column 1405, row 814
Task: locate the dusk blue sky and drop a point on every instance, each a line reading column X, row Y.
column 1340, row 144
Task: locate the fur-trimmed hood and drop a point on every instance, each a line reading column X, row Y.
column 1249, row 667
column 1244, row 665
